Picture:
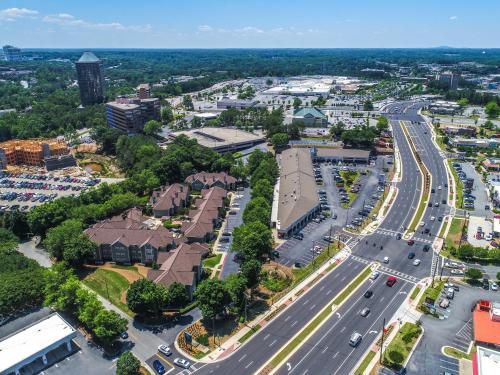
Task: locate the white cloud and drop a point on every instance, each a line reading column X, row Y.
column 12, row 14
column 247, row 30
column 453, row 18
column 68, row 20
column 205, row 28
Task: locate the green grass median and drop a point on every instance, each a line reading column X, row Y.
column 364, row 364
column 319, row 319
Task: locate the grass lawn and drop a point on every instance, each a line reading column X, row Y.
column 455, row 232
column 415, row 292
column 109, row 285
column 249, row 334
column 212, row 261
column 400, row 347
column 431, row 293
column 364, row 364
column 319, row 319
column 300, row 274
column 458, row 354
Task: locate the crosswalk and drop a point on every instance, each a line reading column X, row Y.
column 434, row 264
column 359, row 259
column 399, row 274
column 388, row 232
column 191, row 369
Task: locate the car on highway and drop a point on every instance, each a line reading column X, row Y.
column 164, row 349
column 182, row 362
column 411, row 255
column 391, row 280
column 159, row 368
column 355, row 339
column 374, row 275
column 368, row 293
column 416, row 262
column 365, row 312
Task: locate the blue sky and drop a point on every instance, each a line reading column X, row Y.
column 249, row 23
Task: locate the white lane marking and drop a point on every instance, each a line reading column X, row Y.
column 312, row 307
column 242, row 358
column 329, row 291
column 287, row 318
column 293, row 323
column 266, row 336
column 342, row 330
column 324, row 350
column 271, row 344
column 250, row 364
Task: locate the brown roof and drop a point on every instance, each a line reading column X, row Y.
column 179, row 264
column 207, row 210
column 210, row 178
column 342, row 152
column 129, row 229
column 169, row 197
column 297, row 186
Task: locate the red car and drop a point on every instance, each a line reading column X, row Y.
column 411, row 242
column 391, row 280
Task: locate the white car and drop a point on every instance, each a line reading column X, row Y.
column 182, row 362
column 374, row 275
column 488, row 237
column 416, row 262
column 386, row 259
column 164, row 349
column 421, row 224
column 457, row 272
column 494, row 287
column 439, row 187
column 433, row 218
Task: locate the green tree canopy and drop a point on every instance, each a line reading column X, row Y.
column 212, row 298
column 264, row 189
column 258, row 209
column 252, row 240
column 128, row 364
column 492, row 110
column 250, row 269
column 236, row 284
column 473, row 273
column 147, row 297
column 177, row 295
column 152, row 127
column 280, row 140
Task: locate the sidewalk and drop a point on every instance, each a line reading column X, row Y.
column 233, row 343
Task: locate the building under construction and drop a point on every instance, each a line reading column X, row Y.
column 32, row 152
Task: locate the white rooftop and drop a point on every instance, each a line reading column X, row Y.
column 488, row 361
column 34, row 339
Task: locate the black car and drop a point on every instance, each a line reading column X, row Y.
column 411, row 255
column 426, row 230
column 398, row 236
column 298, row 236
column 368, row 293
column 426, row 248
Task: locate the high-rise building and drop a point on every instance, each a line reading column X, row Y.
column 450, row 79
column 143, row 91
column 90, row 79
column 11, row 53
column 130, row 114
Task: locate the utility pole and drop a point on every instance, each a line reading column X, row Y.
column 382, row 344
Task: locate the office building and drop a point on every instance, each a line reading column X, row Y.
column 143, row 91
column 90, row 79
column 11, row 53
column 130, row 114
column 450, row 79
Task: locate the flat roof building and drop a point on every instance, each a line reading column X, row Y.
column 296, row 193
column 34, row 342
column 222, row 140
column 227, row 103
column 32, row 152
column 130, row 114
column 344, row 155
column 486, row 361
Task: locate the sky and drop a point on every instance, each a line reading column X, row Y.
column 249, row 23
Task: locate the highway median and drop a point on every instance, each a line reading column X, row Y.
column 289, row 348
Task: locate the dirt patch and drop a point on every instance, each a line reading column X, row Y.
column 143, row 270
column 130, row 275
column 273, row 266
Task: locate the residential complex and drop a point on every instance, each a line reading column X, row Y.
column 169, row 199
column 207, row 180
column 90, row 76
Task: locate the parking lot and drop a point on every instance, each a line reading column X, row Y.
column 24, row 191
column 304, row 248
column 455, row 331
column 479, row 231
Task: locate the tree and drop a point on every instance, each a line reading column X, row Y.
column 250, row 269
column 108, row 325
column 64, row 296
column 128, row 364
column 68, row 242
column 297, row 102
column 212, row 298
column 492, row 110
column 177, row 295
column 269, row 82
column 264, row 189
column 473, row 274
column 464, row 102
column 167, row 115
column 147, row 297
column 498, row 276
column 382, row 124
column 187, row 102
column 236, row 284
column 337, row 129
column 258, row 209
column 367, row 106
column 152, row 128
column 252, row 240
column 280, row 140
column 196, row 122
column 88, row 306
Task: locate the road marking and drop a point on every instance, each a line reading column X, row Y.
column 342, row 330
column 328, row 292
column 293, row 323
column 323, row 287
column 312, row 307
column 242, row 357
column 305, row 302
column 287, row 318
column 266, row 336
column 444, row 360
column 250, row 364
column 305, row 372
column 342, row 279
column 451, row 369
column 324, row 350
column 335, row 355
column 271, row 344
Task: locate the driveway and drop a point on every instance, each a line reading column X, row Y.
column 29, row 249
column 479, row 191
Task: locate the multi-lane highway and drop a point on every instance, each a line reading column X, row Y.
column 328, row 351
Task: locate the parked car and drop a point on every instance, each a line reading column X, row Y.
column 182, row 362
column 298, row 236
column 160, row 369
column 164, row 349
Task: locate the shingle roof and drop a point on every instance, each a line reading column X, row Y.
column 88, row 57
column 309, row 111
column 179, row 264
column 297, row 186
column 210, row 178
column 169, row 197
